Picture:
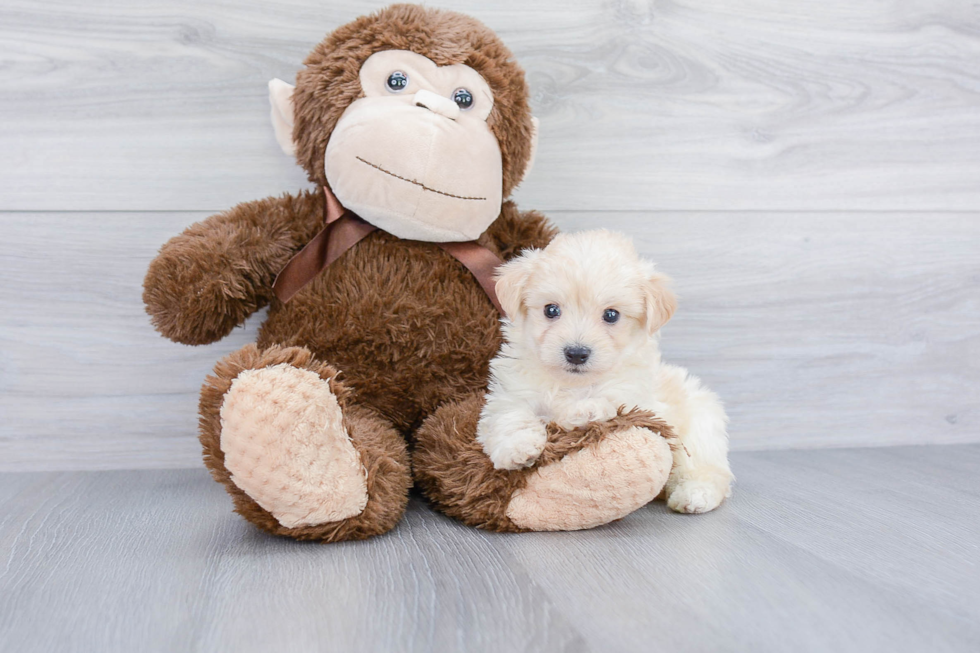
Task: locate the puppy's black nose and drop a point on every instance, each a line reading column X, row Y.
column 577, row 354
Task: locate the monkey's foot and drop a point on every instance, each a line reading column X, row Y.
column 584, row 478
column 286, row 446
column 298, row 454
column 595, row 485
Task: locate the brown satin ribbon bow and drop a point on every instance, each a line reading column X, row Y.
column 344, row 230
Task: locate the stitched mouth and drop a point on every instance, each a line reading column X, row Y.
column 419, row 183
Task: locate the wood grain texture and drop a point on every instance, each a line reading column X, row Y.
column 817, row 330
column 844, row 550
column 685, row 104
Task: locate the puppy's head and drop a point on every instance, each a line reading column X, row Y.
column 584, row 304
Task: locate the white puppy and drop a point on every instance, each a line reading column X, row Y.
column 581, row 333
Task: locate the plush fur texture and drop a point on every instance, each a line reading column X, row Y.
column 407, row 324
column 210, row 278
column 590, row 293
column 398, row 330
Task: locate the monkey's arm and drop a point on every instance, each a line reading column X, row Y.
column 210, row 278
column 517, row 230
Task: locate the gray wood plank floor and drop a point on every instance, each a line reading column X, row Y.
column 844, row 550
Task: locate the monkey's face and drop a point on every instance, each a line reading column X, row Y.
column 415, row 156
column 416, row 118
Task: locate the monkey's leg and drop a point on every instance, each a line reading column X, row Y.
column 584, row 478
column 296, row 452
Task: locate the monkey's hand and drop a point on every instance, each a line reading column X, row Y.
column 210, row 278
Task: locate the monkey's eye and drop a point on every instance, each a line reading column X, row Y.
column 463, row 98
column 397, row 81
column 551, row 311
column 610, row 316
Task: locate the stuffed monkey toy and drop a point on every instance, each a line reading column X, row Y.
column 369, row 373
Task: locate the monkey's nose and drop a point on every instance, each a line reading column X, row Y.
column 577, row 354
column 437, row 104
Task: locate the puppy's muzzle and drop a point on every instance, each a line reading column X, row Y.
column 577, row 354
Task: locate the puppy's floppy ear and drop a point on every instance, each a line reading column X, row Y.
column 659, row 300
column 511, row 278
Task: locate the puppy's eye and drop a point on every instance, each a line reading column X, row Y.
column 551, row 311
column 610, row 316
column 397, row 81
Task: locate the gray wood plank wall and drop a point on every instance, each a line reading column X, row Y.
column 808, row 172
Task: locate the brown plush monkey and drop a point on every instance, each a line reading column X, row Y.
column 417, row 120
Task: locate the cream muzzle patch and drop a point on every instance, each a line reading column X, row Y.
column 415, row 155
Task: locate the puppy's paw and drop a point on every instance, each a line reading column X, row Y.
column 695, row 495
column 585, row 411
column 520, row 448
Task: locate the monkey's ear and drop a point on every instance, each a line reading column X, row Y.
column 534, row 148
column 281, row 99
column 511, row 278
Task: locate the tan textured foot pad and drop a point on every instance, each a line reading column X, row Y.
column 596, row 485
column 283, row 436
